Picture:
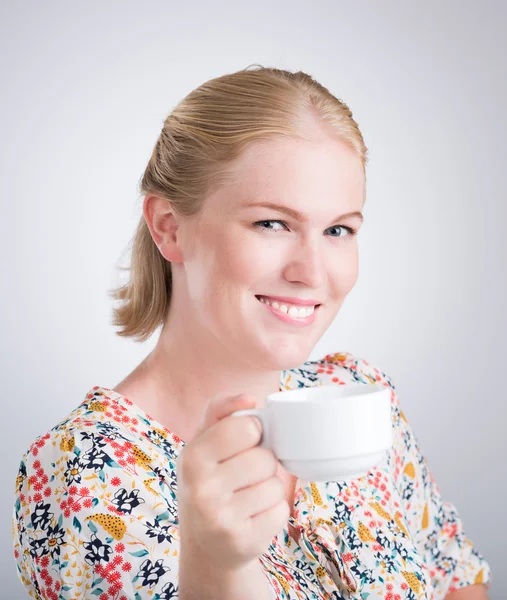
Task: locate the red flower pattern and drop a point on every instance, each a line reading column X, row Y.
column 122, row 515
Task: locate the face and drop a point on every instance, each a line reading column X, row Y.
column 235, row 253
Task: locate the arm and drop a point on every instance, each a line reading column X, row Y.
column 89, row 527
column 96, row 517
column 471, row 592
column 249, row 583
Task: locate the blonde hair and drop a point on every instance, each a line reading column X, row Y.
column 199, row 141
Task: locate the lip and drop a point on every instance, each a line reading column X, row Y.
column 286, row 318
column 290, row 300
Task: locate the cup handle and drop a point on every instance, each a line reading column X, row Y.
column 262, row 415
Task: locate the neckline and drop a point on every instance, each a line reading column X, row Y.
column 147, row 419
column 302, row 488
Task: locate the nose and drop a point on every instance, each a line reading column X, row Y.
column 306, row 264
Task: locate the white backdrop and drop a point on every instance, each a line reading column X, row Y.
column 85, row 89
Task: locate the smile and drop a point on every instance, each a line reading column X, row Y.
column 290, row 313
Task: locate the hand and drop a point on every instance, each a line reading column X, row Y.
column 230, row 501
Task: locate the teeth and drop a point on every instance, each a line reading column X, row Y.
column 291, row 310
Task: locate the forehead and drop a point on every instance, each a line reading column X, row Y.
column 297, row 172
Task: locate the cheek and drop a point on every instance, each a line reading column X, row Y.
column 246, row 267
column 345, row 273
column 223, row 266
column 351, row 274
column 245, row 262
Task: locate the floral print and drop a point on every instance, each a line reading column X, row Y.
column 96, row 512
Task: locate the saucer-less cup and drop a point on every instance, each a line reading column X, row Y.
column 327, row 433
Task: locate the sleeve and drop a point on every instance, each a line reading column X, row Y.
column 92, row 521
column 95, row 518
column 452, row 559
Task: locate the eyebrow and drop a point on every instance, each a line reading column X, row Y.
column 296, row 214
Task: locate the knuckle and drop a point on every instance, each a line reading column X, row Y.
column 225, row 527
column 274, row 462
column 225, row 432
column 228, row 433
column 247, row 431
column 254, row 433
column 270, row 461
column 205, row 493
column 265, row 461
column 262, row 459
column 275, row 487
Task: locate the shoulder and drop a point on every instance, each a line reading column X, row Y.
column 95, row 415
column 97, row 437
column 102, row 453
column 97, row 482
column 339, row 368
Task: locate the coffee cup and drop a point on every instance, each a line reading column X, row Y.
column 328, row 432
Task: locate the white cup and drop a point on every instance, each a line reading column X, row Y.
column 329, row 432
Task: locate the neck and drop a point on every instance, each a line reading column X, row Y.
column 176, row 381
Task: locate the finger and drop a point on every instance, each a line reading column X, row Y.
column 222, row 406
column 251, row 501
column 248, row 468
column 230, row 437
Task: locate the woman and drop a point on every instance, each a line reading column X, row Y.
column 245, row 252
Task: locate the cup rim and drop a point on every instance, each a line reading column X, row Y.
column 361, row 391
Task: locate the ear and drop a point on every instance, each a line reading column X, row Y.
column 163, row 223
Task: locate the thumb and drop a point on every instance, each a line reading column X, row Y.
column 220, row 407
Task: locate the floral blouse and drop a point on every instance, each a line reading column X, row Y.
column 96, row 512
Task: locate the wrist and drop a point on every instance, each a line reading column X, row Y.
column 198, row 578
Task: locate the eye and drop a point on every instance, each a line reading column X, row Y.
column 262, row 226
column 351, row 230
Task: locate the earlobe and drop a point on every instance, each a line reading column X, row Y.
column 170, row 244
column 163, row 226
column 171, row 252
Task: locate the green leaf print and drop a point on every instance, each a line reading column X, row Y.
column 139, row 553
column 77, row 524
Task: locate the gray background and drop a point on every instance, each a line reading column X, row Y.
column 85, row 89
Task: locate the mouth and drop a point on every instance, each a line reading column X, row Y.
column 290, row 312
